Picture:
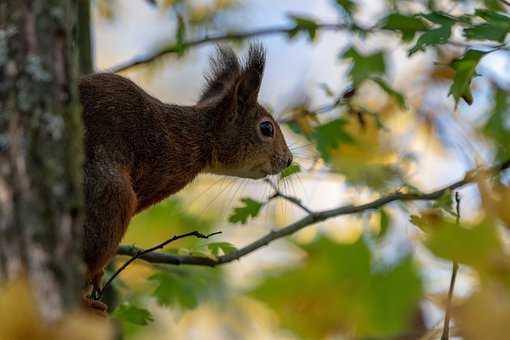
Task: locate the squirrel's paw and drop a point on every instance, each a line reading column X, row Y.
column 95, row 306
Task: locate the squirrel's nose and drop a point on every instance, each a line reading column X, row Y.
column 289, row 161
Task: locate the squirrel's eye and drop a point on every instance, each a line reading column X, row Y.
column 266, row 129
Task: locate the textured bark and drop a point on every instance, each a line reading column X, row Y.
column 40, row 151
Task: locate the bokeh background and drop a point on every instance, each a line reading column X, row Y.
column 374, row 274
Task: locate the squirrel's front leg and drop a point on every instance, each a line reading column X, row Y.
column 110, row 204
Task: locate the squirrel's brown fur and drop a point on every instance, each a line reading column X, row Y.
column 140, row 150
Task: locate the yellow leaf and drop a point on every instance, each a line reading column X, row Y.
column 486, row 315
column 21, row 320
column 495, row 199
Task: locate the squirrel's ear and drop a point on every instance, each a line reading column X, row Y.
column 248, row 84
column 225, row 70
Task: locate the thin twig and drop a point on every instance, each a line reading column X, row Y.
column 174, row 49
column 505, row 2
column 294, row 200
column 139, row 253
column 455, row 268
column 310, row 219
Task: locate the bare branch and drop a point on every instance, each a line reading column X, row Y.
column 140, row 253
column 311, row 218
column 174, row 49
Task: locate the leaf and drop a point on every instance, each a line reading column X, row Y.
column 180, row 36
column 364, row 66
column 131, row 313
column 186, row 287
column 250, row 208
column 445, row 202
column 397, row 96
column 340, row 289
column 223, row 247
column 485, row 314
column 407, row 25
column 494, row 5
column 496, row 127
column 465, row 70
column 384, row 223
column 495, row 28
column 330, row 136
column 428, row 221
column 473, row 245
column 435, row 36
column 289, row 171
column 347, row 5
column 150, row 226
column 305, row 24
column 171, row 290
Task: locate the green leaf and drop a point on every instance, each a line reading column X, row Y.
column 445, row 202
column 172, row 290
column 330, row 136
column 473, row 245
column 250, row 208
column 289, row 171
column 435, row 36
column 128, row 312
column 384, row 223
column 495, row 27
column 347, row 5
column 364, row 66
column 339, row 289
column 148, row 227
column 397, row 96
column 186, row 287
column 465, row 70
column 180, row 36
column 486, row 32
column 217, row 248
column 303, row 24
column 494, row 5
column 407, row 25
column 496, row 127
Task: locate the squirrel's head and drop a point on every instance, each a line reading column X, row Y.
column 246, row 139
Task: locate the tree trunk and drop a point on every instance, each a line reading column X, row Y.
column 40, row 152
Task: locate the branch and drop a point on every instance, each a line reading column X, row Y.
column 311, row 218
column 177, row 48
column 455, row 269
column 139, row 253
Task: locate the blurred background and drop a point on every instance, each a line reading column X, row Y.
column 368, row 109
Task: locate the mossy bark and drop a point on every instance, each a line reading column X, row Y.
column 41, row 205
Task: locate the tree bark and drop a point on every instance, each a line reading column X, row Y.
column 41, row 205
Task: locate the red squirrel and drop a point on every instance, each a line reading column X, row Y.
column 138, row 150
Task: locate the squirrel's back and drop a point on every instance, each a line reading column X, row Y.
column 159, row 145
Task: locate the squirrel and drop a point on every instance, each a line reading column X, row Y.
column 139, row 150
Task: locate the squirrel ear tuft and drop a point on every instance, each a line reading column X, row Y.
column 251, row 75
column 225, row 70
column 231, row 87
